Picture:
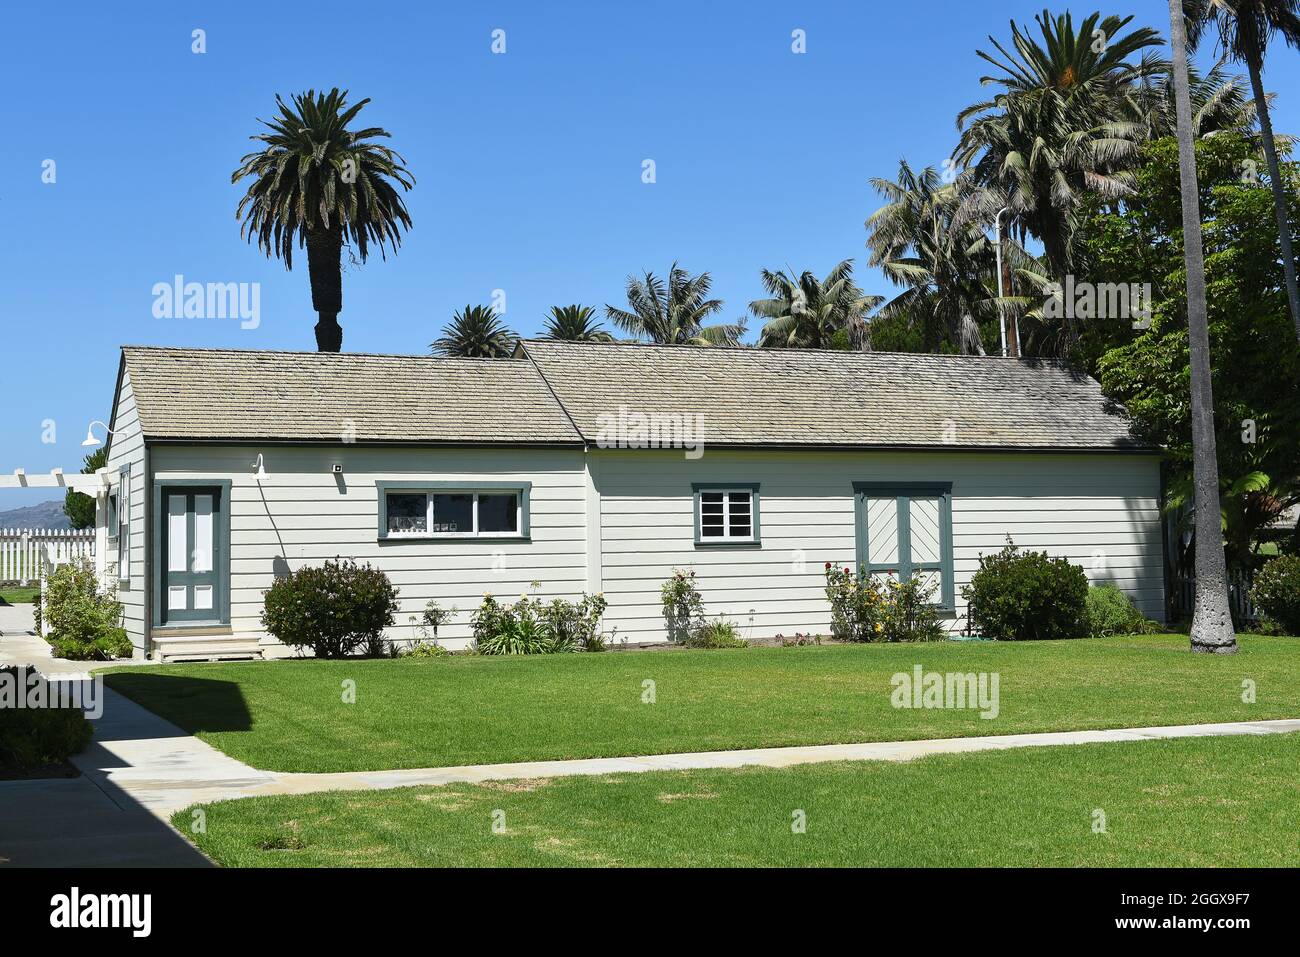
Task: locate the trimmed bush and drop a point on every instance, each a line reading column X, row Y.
column 1026, row 596
column 1276, row 593
column 83, row 620
column 31, row 738
column 335, row 609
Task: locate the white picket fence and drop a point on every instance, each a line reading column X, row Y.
column 22, row 550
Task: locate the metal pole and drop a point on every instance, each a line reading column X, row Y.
column 1002, row 316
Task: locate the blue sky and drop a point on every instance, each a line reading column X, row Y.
column 528, row 164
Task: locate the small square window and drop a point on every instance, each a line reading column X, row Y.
column 727, row 515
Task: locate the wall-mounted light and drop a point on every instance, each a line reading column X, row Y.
column 259, row 468
column 90, row 440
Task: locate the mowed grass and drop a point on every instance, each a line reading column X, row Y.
column 292, row 715
column 1192, row 802
column 19, row 594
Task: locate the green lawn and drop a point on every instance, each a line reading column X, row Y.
column 291, row 716
column 20, row 593
column 1193, row 802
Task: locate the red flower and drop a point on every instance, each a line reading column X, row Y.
column 828, row 565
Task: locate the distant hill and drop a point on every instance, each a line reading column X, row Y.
column 44, row 515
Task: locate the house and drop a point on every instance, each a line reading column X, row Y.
column 602, row 467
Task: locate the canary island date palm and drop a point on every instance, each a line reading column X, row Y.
column 1220, row 103
column 574, row 324
column 672, row 312
column 810, row 313
column 1059, row 129
column 318, row 184
column 1245, row 28
column 476, row 332
column 1212, row 617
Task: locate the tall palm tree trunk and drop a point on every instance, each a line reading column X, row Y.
column 1255, row 66
column 324, row 257
column 1212, row 617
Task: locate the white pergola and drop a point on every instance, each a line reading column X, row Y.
column 94, row 483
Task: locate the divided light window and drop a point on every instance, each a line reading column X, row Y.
column 453, row 513
column 726, row 514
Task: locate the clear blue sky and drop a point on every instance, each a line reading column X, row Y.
column 528, row 164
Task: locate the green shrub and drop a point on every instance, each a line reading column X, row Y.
column 533, row 627
column 334, row 609
column 1276, row 593
column 1023, row 596
column 426, row 646
column 1111, row 612
column 862, row 609
column 683, row 605
column 715, row 634
column 82, row 619
column 33, row 737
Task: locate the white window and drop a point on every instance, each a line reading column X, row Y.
column 454, row 513
column 726, row 515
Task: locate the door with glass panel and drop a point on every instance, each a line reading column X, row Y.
column 191, row 553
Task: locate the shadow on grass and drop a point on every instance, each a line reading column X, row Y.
column 192, row 704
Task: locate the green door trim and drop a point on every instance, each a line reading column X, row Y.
column 220, row 489
column 904, row 492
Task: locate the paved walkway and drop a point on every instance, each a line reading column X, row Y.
column 141, row 769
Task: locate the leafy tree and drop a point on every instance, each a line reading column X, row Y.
column 476, row 332
column 811, row 313
column 574, row 324
column 79, row 507
column 673, row 312
column 317, row 183
column 1245, row 28
column 1255, row 364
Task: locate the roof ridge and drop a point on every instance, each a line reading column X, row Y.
column 758, row 350
column 309, row 352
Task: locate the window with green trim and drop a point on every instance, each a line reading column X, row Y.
column 905, row 530
column 439, row 510
column 122, row 507
column 726, row 514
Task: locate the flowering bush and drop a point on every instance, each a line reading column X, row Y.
column 335, row 609
column 83, row 621
column 427, row 625
column 533, row 627
column 683, row 606
column 862, row 609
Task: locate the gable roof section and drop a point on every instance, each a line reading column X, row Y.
column 240, row 395
column 825, row 399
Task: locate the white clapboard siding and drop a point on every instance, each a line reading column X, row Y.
column 21, row 550
column 303, row 514
column 1100, row 511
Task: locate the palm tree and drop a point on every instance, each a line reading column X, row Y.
column 673, row 313
column 476, row 332
column 1212, row 617
column 1219, row 103
column 940, row 263
column 811, row 313
column 317, row 183
column 1245, row 28
column 575, row 324
column 1059, row 130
